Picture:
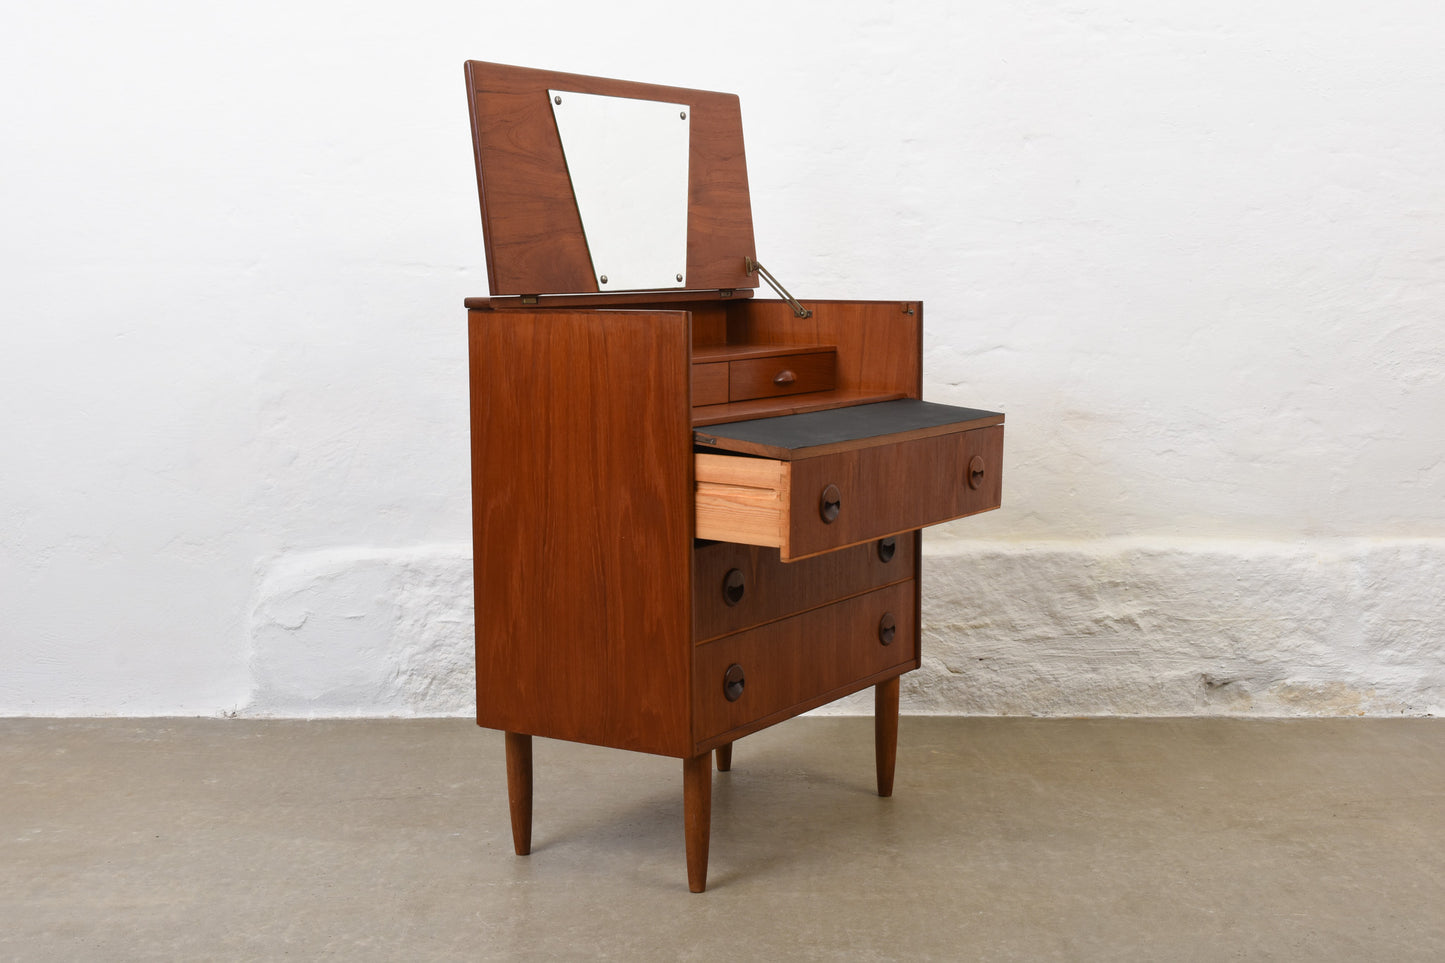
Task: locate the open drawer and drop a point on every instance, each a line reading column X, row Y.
column 810, row 483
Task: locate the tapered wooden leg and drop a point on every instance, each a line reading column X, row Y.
column 885, row 732
column 519, row 790
column 697, row 817
column 724, row 757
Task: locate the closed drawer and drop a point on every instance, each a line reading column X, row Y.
column 736, row 587
column 816, row 504
column 776, row 376
column 798, row 663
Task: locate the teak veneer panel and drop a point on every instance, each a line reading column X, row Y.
column 879, row 343
column 582, row 525
column 774, row 589
column 935, row 469
column 786, row 405
column 706, row 354
column 709, row 384
column 534, row 238
column 797, row 663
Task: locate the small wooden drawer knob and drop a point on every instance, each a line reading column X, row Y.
column 886, row 549
column 734, row 585
column 887, row 628
column 975, row 471
column 733, row 683
column 830, row 503
column 784, row 377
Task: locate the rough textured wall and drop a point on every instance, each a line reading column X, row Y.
column 1193, row 250
column 1127, row 627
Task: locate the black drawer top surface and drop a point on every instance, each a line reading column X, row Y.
column 837, row 429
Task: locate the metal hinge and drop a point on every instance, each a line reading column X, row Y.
column 753, row 267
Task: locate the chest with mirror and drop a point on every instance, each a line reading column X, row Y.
column 696, row 512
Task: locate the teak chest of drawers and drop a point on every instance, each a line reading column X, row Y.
column 695, row 513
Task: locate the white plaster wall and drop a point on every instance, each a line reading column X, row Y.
column 1196, row 252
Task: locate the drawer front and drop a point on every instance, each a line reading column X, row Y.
column 786, row 375
column 796, row 664
column 822, row 503
column 710, row 384
column 871, row 492
column 736, row 587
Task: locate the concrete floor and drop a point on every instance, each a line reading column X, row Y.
column 1006, row 839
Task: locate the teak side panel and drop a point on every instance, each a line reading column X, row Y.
column 581, row 467
column 533, row 234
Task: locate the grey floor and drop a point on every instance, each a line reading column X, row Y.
column 1006, row 839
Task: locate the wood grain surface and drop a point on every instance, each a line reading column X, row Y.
column 709, row 384
column 582, row 525
column 892, row 488
column 797, row 663
column 771, row 377
column 774, row 589
column 886, row 488
column 879, row 343
column 534, row 238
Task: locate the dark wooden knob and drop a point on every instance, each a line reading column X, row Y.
column 733, row 683
column 887, row 628
column 975, row 471
column 830, row 503
column 784, row 377
column 733, row 586
column 886, row 549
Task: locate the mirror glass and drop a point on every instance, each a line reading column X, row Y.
column 628, row 161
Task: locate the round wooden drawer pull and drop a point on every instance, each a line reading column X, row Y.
column 733, row 683
column 734, row 585
column 975, row 471
column 830, row 503
column 784, row 377
column 887, row 628
column 886, row 548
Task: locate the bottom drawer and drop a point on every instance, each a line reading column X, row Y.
column 764, row 675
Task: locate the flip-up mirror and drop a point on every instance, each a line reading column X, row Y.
column 628, row 163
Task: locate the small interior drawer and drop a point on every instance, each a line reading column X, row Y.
column 736, row 587
column 795, row 664
column 816, row 504
column 773, row 377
